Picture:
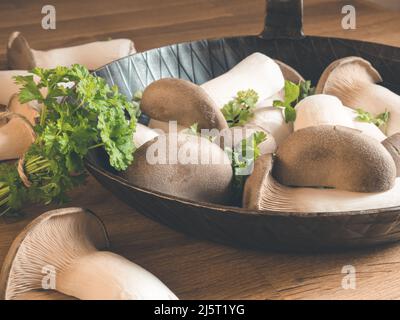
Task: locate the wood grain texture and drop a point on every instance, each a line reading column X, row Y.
column 196, row 269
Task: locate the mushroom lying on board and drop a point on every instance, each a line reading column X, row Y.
column 263, row 192
column 143, row 134
column 321, row 109
column 92, row 55
column 257, row 72
column 352, row 80
column 183, row 165
column 171, row 99
column 8, row 87
column 64, row 244
column 336, row 157
column 392, row 144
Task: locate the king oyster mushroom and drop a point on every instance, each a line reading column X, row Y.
column 353, row 80
column 183, row 165
column 321, row 109
column 180, row 100
column 263, row 192
column 92, row 55
column 257, row 72
column 336, row 157
column 65, row 244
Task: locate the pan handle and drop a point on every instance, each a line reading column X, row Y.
column 283, row 20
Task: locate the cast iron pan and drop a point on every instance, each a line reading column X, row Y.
column 200, row 61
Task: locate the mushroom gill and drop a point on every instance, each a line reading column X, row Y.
column 64, row 245
column 353, row 80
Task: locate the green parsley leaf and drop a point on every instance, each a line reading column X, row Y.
column 294, row 93
column 240, row 110
column 73, row 120
column 243, row 157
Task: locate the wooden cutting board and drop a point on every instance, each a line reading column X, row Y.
column 196, row 269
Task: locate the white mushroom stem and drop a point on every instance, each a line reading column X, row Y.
column 272, row 120
column 323, row 109
column 100, row 275
column 376, row 99
column 143, row 134
column 92, row 55
column 263, row 192
column 257, row 72
column 8, row 87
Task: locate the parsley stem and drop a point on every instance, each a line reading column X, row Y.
column 96, row 146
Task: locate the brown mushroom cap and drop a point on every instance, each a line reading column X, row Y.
column 392, row 144
column 334, row 156
column 183, row 101
column 263, row 192
column 346, row 73
column 48, row 240
column 289, row 73
column 205, row 181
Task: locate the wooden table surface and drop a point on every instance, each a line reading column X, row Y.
column 192, row 268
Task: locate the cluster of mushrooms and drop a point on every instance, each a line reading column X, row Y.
column 15, row 131
column 325, row 161
column 21, row 58
column 62, row 253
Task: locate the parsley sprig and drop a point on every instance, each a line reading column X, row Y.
column 243, row 157
column 293, row 93
column 381, row 120
column 79, row 112
column 239, row 110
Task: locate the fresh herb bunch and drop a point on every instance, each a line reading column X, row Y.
column 293, row 94
column 79, row 112
column 240, row 110
column 243, row 158
column 380, row 120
